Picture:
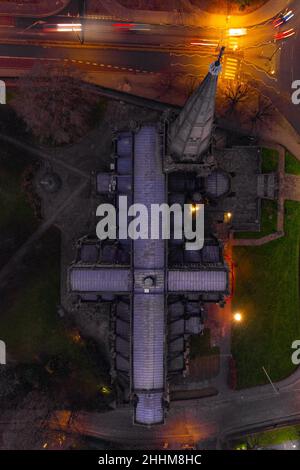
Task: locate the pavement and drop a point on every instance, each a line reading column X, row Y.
column 14, row 262
column 197, row 17
column 210, row 419
column 37, row 8
column 292, row 187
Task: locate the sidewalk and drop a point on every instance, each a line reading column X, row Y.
column 34, row 8
column 282, row 196
column 197, row 17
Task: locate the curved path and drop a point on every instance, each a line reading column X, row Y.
column 200, row 421
column 40, row 9
column 196, row 17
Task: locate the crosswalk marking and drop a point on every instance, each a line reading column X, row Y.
column 230, row 68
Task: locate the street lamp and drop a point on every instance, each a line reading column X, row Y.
column 194, row 208
column 237, row 32
column 238, row 317
column 227, row 217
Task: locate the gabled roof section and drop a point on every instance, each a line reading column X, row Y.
column 100, row 279
column 148, row 342
column 149, row 188
column 149, row 409
column 215, row 280
column 148, row 313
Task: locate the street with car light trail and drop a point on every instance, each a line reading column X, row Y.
column 159, row 48
column 253, row 53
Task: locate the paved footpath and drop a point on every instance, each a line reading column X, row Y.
column 38, row 9
column 199, row 421
column 292, row 187
column 196, row 17
column 7, row 271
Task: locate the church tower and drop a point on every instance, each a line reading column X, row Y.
column 190, row 133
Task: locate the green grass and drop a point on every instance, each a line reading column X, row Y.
column 270, row 159
column 279, row 436
column 292, row 165
column 34, row 333
column 267, row 293
column 14, row 206
column 200, row 346
column 269, row 438
column 29, row 324
column 98, row 112
column 17, row 219
column 268, row 221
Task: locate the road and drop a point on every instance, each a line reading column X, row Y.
column 161, row 49
column 207, row 422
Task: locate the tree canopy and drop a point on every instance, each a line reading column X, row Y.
column 54, row 103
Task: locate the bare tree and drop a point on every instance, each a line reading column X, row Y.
column 25, row 425
column 263, row 113
column 235, row 94
column 168, row 82
column 33, row 423
column 242, row 4
column 54, row 104
column 28, row 418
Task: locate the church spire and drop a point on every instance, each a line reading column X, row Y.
column 190, row 134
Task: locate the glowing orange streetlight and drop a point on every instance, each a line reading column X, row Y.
column 194, row 208
column 237, row 32
column 238, row 317
column 227, row 217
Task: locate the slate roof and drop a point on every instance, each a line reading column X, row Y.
column 211, row 254
column 124, row 144
column 198, row 281
column 149, row 188
column 217, row 183
column 149, row 409
column 100, row 280
column 148, row 341
column 191, row 132
column 89, row 253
